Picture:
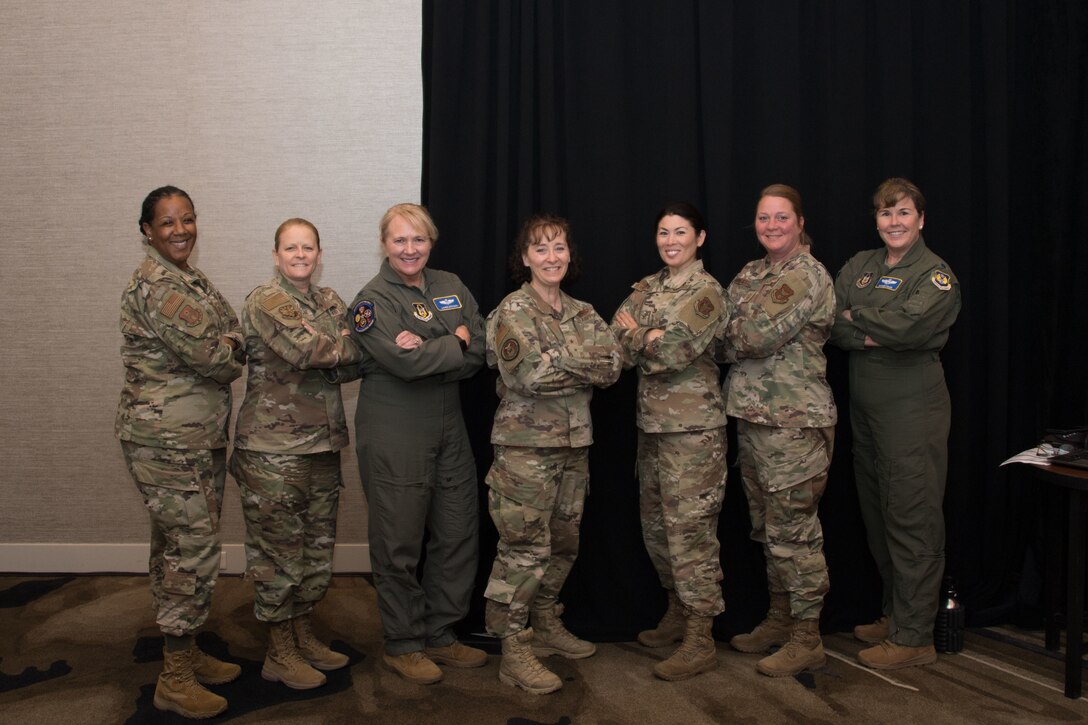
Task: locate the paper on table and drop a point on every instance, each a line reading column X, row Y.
column 1039, row 455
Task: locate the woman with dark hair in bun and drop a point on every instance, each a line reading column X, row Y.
column 182, row 347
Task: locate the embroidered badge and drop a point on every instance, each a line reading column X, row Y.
column 364, row 315
column 888, row 283
column 782, row 294
column 190, row 315
column 449, row 302
column 288, row 312
column 510, row 349
column 864, row 280
column 171, row 305
column 420, row 311
column 941, row 280
column 704, row 307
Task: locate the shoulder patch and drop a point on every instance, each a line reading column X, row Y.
column 281, row 307
column 941, row 280
column 191, row 315
column 363, row 315
column 700, row 310
column 507, row 343
column 275, row 300
column 171, row 304
column 785, row 293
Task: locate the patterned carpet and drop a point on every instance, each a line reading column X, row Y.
column 85, row 650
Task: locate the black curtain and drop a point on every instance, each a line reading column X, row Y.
column 602, row 111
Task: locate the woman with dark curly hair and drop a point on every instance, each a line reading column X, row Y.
column 550, row 350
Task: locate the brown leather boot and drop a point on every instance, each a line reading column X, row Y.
column 284, row 663
column 178, row 691
column 697, row 652
column 314, row 650
column 804, row 651
column 773, row 631
column 671, row 627
column 521, row 668
column 550, row 637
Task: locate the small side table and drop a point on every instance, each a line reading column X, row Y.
column 1074, row 483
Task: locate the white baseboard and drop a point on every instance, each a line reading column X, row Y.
column 132, row 558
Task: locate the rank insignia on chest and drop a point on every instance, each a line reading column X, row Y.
column 782, row 294
column 510, row 349
column 888, row 283
column 864, row 280
column 941, row 280
column 288, row 312
column 449, row 302
column 364, row 315
column 420, row 312
column 190, row 315
column 704, row 307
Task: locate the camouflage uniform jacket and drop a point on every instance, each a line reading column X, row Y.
column 910, row 306
column 290, row 406
column 548, row 364
column 178, row 367
column 678, row 386
column 782, row 316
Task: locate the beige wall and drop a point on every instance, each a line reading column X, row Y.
column 261, row 111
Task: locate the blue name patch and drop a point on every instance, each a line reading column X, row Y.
column 450, row 302
column 889, row 283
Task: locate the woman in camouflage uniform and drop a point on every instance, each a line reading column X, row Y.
column 783, row 308
column 287, row 444
column 550, row 350
column 182, row 347
column 666, row 327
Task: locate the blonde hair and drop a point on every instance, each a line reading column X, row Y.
column 415, row 215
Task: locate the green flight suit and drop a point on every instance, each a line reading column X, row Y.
column 415, row 460
column 900, row 415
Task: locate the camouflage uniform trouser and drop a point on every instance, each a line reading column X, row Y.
column 536, row 499
column 183, row 493
column 289, row 503
column 681, row 487
column 784, row 471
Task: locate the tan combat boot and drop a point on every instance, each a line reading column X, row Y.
column 550, row 637
column 314, row 650
column 874, row 633
column 671, row 627
column 210, row 671
column 284, row 663
column 414, row 666
column 773, row 631
column 521, row 668
column 891, row 656
column 178, row 691
column 804, row 651
column 696, row 654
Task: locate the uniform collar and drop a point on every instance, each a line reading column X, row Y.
column 671, row 282
column 190, row 276
column 545, row 308
column 912, row 256
column 286, row 286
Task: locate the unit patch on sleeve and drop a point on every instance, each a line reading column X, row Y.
column 191, row 316
column 510, row 349
column 449, row 302
column 784, row 294
column 941, row 280
column 364, row 315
